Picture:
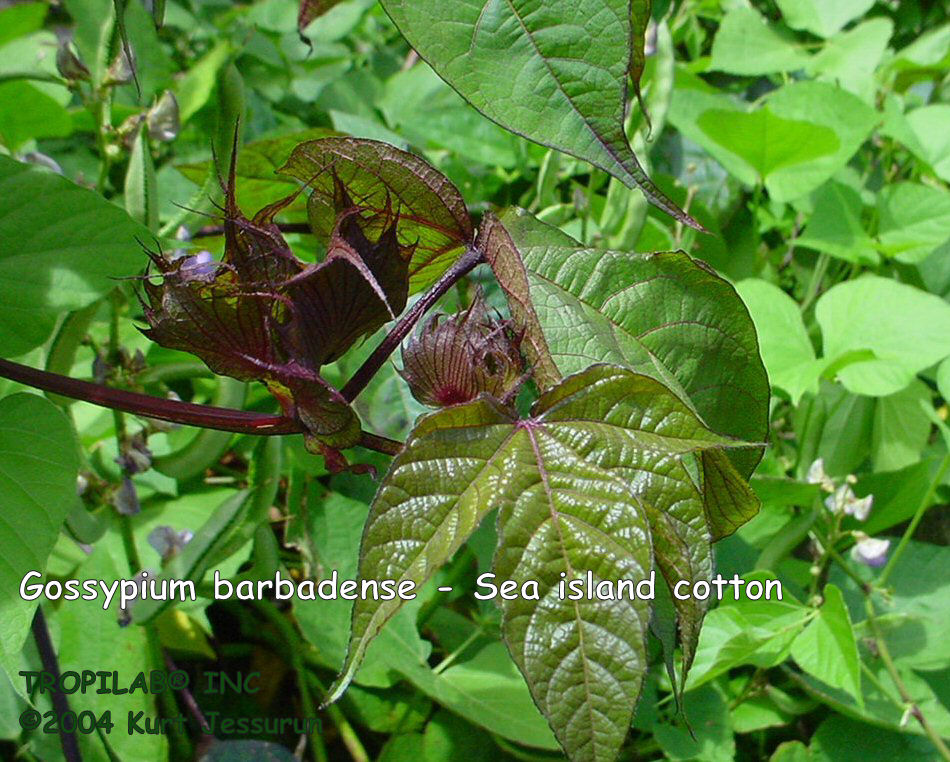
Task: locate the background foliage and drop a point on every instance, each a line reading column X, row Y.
column 810, row 138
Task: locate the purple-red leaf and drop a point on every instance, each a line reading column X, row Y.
column 377, row 177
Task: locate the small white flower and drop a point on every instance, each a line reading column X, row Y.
column 870, row 550
column 860, row 508
column 816, row 475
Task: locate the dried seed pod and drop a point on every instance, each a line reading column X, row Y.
column 454, row 358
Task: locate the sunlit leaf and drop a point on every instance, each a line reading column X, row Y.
column 573, row 483
column 572, row 62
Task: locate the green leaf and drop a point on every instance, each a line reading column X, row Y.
column 914, row 220
column 570, row 482
column 141, row 187
column 745, row 44
column 38, row 467
column 28, row 113
column 786, row 349
column 901, row 427
column 91, row 637
column 432, row 115
column 746, row 632
column 842, row 739
column 943, row 379
column 432, row 216
column 20, row 20
column 850, row 59
column 486, row 689
column 793, row 170
column 709, row 734
column 822, row 18
column 835, row 225
column 70, row 244
column 767, row 142
column 904, row 327
column 589, row 306
column 928, row 137
column 572, row 61
column 827, row 648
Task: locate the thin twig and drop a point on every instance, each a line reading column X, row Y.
column 463, row 265
column 885, row 654
column 51, row 665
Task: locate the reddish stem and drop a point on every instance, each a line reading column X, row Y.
column 463, row 265
column 173, row 411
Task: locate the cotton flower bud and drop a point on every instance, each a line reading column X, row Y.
column 454, row 358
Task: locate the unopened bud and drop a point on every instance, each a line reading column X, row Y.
column 163, row 120
column 122, row 69
column 456, row 358
column 69, row 65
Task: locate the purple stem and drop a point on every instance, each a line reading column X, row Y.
column 463, row 265
column 44, row 645
column 173, row 411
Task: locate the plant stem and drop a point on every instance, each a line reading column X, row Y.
column 892, row 670
column 173, row 411
column 294, row 646
column 463, row 265
column 914, row 522
column 348, row 735
column 44, row 645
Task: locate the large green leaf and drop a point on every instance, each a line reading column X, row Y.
column 822, row 18
column 554, row 72
column 827, row 648
column 905, row 328
column 914, row 220
column 69, row 245
column 786, row 349
column 38, row 466
column 745, row 44
column 576, row 484
column 662, row 314
column 766, row 142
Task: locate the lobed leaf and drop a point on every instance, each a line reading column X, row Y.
column 662, row 314
column 432, row 213
column 579, row 484
column 553, row 72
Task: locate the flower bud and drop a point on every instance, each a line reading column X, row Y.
column 169, row 542
column 455, row 358
column 69, row 65
column 122, row 69
column 162, row 119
